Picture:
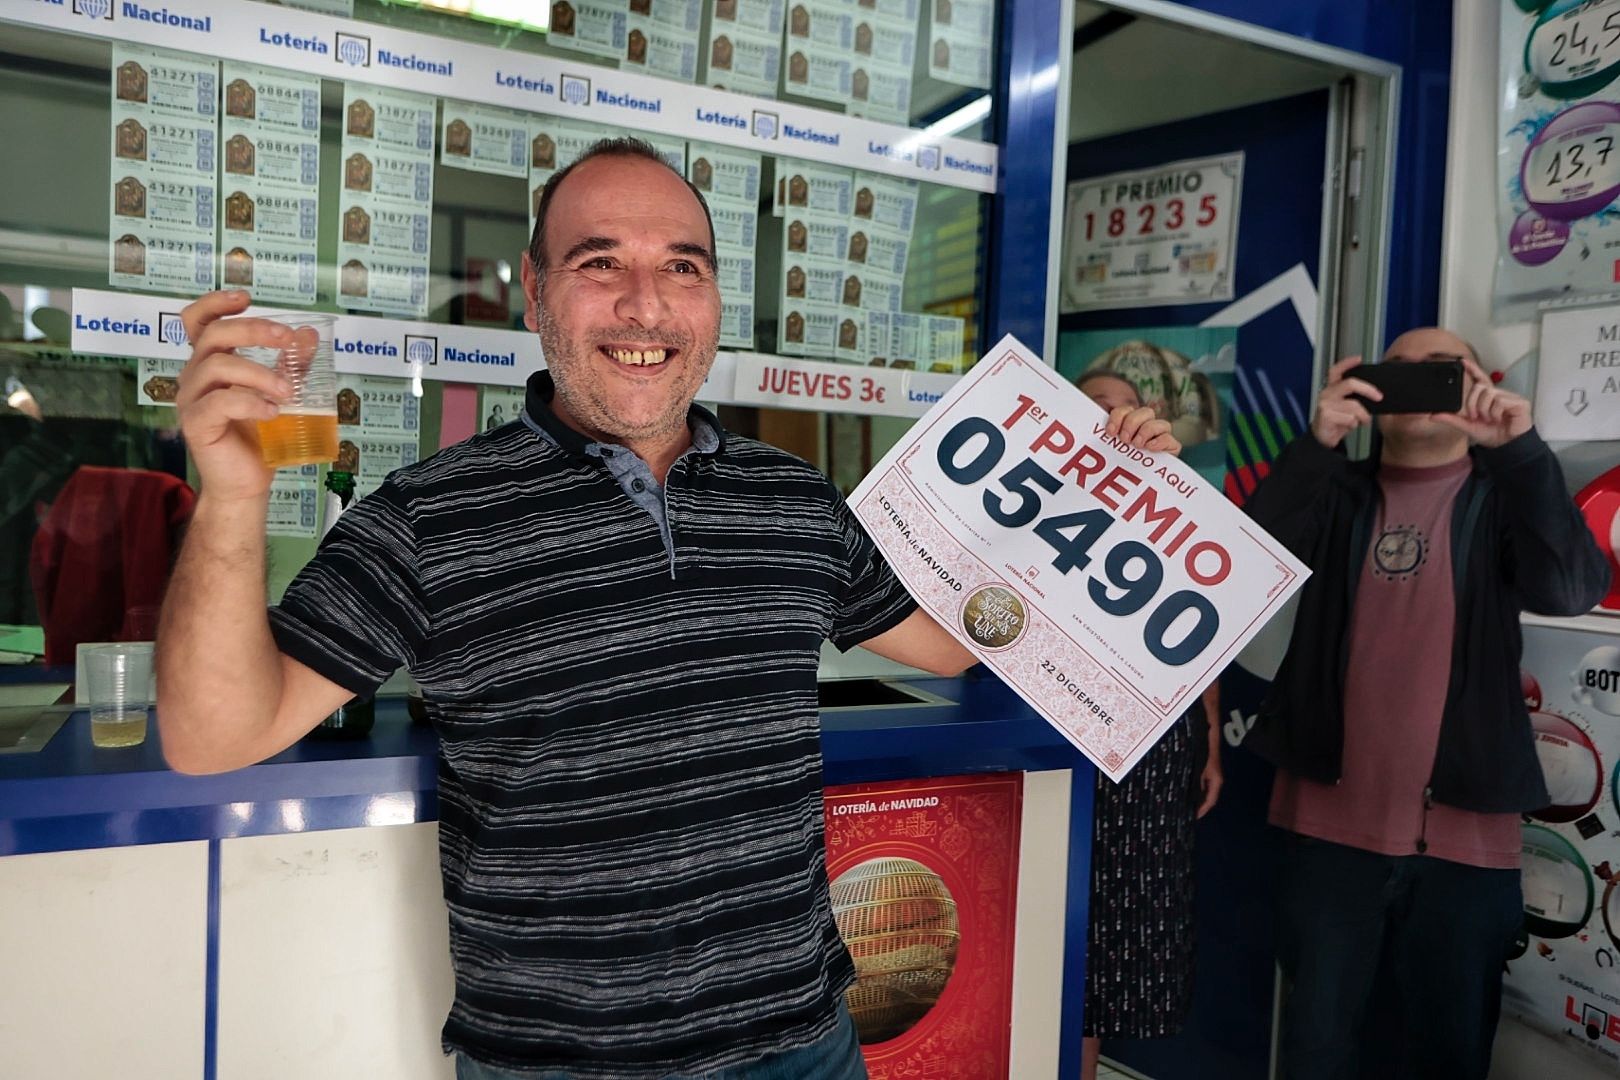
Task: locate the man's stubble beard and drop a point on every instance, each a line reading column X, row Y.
column 592, row 412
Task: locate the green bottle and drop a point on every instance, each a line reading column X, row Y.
column 354, row 719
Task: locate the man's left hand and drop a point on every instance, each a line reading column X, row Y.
column 1489, row 416
column 1142, row 429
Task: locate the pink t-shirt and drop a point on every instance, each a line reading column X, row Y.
column 1395, row 691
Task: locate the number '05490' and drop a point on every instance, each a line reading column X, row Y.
column 1132, row 572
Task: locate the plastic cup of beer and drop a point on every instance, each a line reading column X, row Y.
column 305, row 432
column 118, row 679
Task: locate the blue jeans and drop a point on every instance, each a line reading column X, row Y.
column 836, row 1056
column 1392, row 965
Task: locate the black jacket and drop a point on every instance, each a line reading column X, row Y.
column 1517, row 544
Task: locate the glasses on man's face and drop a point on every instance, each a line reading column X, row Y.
column 1395, row 358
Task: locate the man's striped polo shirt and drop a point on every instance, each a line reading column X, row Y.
column 630, row 765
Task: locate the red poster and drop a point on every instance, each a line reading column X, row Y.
column 1600, row 503
column 924, row 887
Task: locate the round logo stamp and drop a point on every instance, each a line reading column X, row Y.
column 1399, row 551
column 994, row 616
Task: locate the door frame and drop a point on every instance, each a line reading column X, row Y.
column 1353, row 287
column 1358, row 194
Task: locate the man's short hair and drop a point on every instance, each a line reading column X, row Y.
column 626, row 146
column 1473, row 353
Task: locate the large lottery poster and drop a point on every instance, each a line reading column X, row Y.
column 1105, row 584
column 1563, row 977
column 925, row 892
column 1558, row 166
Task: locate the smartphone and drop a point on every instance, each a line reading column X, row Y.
column 1426, row 386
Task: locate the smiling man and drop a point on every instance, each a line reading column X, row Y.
column 620, row 282
column 615, row 609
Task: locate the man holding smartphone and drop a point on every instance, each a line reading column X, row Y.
column 1396, row 721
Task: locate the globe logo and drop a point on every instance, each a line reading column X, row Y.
column 420, row 350
column 765, row 125
column 93, row 9
column 928, row 157
column 575, row 91
column 354, row 51
column 899, row 921
column 171, row 330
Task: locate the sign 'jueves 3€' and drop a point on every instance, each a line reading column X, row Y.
column 1106, row 585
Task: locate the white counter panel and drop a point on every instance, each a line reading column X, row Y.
column 104, row 954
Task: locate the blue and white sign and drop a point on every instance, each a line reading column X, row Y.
column 146, row 327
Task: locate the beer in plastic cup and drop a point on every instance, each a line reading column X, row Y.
column 306, row 432
column 118, row 680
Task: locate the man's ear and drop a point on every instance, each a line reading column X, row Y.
column 531, row 293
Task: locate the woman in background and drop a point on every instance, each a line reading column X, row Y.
column 1139, row 956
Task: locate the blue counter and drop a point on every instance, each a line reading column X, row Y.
column 111, row 826
column 73, row 796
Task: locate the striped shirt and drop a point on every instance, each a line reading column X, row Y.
column 630, row 768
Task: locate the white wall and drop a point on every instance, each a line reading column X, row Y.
column 1038, row 936
column 1469, row 243
column 1468, row 268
